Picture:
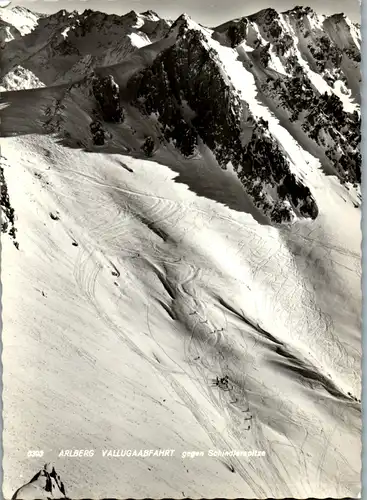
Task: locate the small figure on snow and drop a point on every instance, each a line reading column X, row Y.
column 223, row 383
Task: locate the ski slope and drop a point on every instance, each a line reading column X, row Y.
column 139, row 283
column 115, row 343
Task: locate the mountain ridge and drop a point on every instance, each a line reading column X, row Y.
column 286, row 60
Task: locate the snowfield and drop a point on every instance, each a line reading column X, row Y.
column 139, row 281
column 102, row 361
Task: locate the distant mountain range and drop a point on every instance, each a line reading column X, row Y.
column 237, row 87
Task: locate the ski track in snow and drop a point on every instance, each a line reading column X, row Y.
column 231, row 418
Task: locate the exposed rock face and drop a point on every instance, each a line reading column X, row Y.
column 98, row 133
column 148, row 146
column 237, row 32
column 322, row 119
column 7, row 212
column 306, row 65
column 45, row 485
column 106, row 92
column 7, row 33
column 189, row 74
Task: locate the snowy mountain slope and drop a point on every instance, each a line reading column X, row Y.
column 54, row 50
column 118, row 221
column 19, row 79
column 17, row 22
column 221, row 86
column 324, row 49
column 136, row 270
column 303, row 74
column 162, row 316
column 347, row 36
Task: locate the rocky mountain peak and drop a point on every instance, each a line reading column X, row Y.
column 22, row 11
column 182, row 23
column 264, row 15
column 151, row 14
column 45, row 485
column 132, row 15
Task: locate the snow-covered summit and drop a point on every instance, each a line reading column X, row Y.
column 19, row 20
column 20, row 78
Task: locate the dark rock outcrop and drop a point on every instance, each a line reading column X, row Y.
column 323, row 120
column 7, row 211
column 148, row 146
column 330, row 49
column 189, row 74
column 237, row 32
column 45, row 485
column 98, row 133
column 107, row 95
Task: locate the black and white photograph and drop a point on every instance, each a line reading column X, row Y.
column 181, row 249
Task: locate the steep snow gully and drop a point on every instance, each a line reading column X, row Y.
column 181, row 256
